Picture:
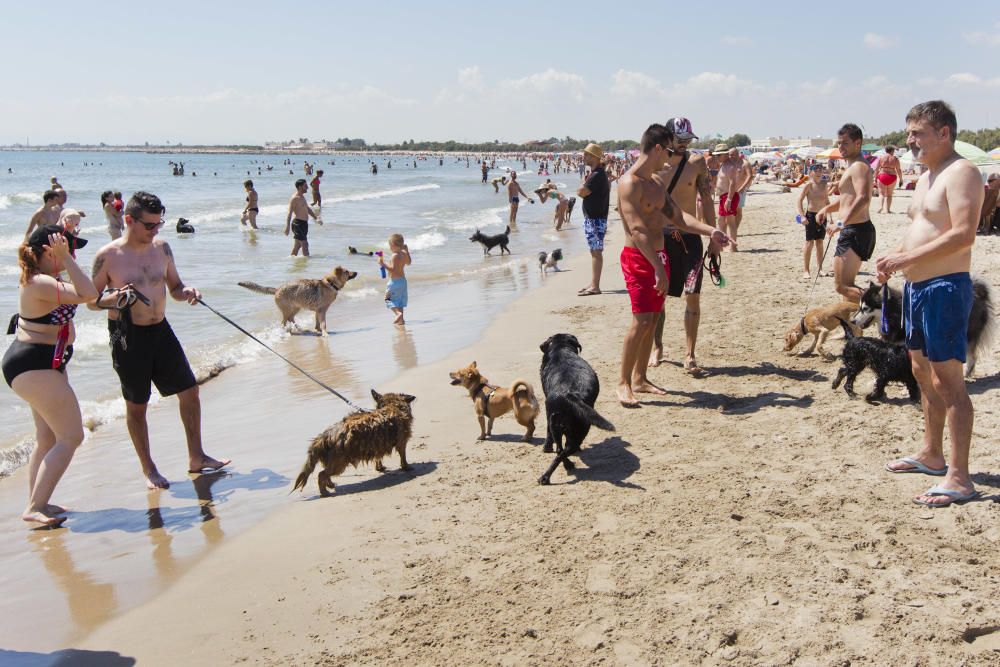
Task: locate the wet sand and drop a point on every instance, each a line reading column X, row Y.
column 742, row 519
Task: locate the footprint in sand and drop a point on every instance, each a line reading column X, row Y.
column 599, row 579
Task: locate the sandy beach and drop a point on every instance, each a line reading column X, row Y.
column 742, row 519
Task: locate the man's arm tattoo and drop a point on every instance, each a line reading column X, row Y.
column 668, row 207
column 98, row 265
column 166, row 250
column 704, row 186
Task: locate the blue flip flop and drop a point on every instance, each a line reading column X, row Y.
column 917, row 467
column 955, row 497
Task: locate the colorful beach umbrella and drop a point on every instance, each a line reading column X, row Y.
column 995, row 153
column 805, row 152
column 831, row 153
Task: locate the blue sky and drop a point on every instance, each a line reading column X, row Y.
column 248, row 72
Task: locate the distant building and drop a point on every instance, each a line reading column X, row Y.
column 771, row 143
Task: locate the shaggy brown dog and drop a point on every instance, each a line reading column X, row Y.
column 307, row 294
column 492, row 401
column 361, row 437
column 820, row 322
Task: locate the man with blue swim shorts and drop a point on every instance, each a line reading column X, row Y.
column 935, row 256
column 596, row 194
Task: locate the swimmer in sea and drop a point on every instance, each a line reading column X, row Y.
column 251, row 210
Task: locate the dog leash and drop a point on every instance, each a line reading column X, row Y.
column 884, row 324
column 819, row 271
column 285, row 359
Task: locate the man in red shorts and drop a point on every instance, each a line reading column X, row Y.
column 645, row 207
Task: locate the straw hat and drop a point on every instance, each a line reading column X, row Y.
column 720, row 149
column 594, row 150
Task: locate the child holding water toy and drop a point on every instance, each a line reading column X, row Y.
column 396, row 292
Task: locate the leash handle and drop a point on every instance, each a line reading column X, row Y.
column 285, row 359
column 884, row 325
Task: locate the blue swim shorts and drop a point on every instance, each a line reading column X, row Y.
column 595, row 229
column 936, row 316
column 396, row 294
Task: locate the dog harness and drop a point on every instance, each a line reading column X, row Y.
column 486, row 396
column 802, row 326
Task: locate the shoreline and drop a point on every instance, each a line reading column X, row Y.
column 741, row 518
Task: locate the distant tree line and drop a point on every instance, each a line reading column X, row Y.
column 552, row 144
column 735, row 141
column 985, row 139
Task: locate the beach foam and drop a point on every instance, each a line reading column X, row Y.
column 431, row 239
column 6, row 201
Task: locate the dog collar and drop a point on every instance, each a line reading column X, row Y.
column 802, row 326
column 486, row 396
column 333, row 286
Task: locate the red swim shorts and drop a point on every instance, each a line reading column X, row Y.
column 640, row 280
column 727, row 211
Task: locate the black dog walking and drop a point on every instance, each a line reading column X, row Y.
column 571, row 388
column 491, row 241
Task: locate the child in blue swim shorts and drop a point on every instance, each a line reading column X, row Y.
column 396, row 292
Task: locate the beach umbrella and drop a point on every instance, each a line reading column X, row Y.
column 870, row 147
column 829, row 153
column 995, row 153
column 805, row 152
column 972, row 153
column 905, row 159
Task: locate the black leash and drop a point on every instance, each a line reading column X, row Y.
column 286, row 360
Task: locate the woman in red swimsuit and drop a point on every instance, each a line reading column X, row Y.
column 887, row 177
column 35, row 363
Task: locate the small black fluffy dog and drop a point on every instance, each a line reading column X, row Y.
column 981, row 319
column 184, row 226
column 571, row 387
column 889, row 361
column 491, row 241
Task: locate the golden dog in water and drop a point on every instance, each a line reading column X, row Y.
column 306, row 294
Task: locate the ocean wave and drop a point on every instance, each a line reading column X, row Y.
column 16, row 456
column 427, row 240
column 364, row 196
column 19, row 198
column 363, row 293
column 11, row 242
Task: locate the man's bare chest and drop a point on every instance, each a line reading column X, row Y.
column 147, row 271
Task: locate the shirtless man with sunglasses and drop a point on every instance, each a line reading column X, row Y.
column 144, row 349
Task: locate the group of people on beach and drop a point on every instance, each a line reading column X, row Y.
column 666, row 204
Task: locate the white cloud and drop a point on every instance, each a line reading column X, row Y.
column 741, row 40
column 828, row 87
column 635, row 84
column 716, row 83
column 980, row 38
column 550, row 81
column 876, row 41
column 471, row 78
column 964, row 78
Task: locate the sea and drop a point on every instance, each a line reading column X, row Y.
column 435, row 202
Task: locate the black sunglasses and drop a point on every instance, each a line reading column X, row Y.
column 150, row 226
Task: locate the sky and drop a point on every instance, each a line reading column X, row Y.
column 221, row 72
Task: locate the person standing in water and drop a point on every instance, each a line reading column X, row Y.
column 251, row 210
column 514, row 194
column 297, row 220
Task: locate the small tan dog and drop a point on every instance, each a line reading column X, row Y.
column 492, row 401
column 306, row 294
column 820, row 322
column 360, row 437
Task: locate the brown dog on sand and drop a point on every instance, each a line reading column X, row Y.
column 306, row 294
column 492, row 401
column 820, row 322
column 360, row 437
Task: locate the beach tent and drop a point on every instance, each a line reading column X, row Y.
column 971, row 153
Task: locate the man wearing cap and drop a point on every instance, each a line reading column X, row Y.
column 596, row 194
column 688, row 181
column 727, row 185
column 144, row 349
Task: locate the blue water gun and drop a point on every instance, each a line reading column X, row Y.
column 381, row 268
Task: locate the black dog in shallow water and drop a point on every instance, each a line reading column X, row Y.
column 491, row 241
column 889, row 361
column 571, row 388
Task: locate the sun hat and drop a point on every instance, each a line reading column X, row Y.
column 681, row 127
column 40, row 237
column 594, row 150
column 720, row 149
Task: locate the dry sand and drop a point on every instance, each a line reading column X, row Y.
column 743, row 519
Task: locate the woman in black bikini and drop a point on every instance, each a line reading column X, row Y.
column 35, row 363
column 251, row 210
